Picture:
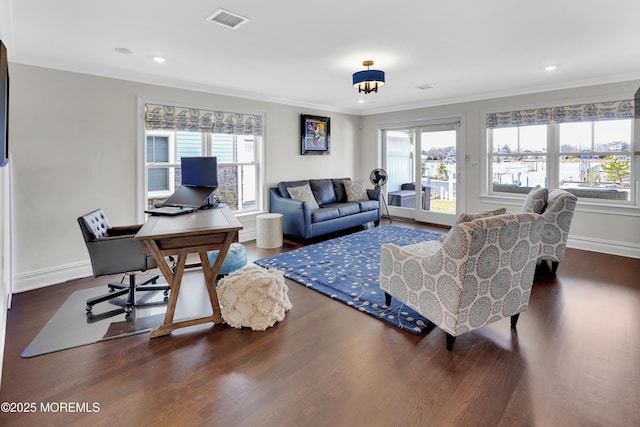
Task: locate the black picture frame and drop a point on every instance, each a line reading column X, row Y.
column 4, row 106
column 315, row 135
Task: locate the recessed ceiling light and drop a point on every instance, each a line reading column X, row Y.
column 360, row 101
column 425, row 87
column 550, row 67
column 159, row 59
column 123, row 50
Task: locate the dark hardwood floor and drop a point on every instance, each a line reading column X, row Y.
column 574, row 361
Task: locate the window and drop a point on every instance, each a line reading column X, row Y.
column 159, row 163
column 421, row 160
column 519, row 156
column 235, row 139
column 585, row 149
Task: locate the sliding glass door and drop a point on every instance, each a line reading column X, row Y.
column 422, row 164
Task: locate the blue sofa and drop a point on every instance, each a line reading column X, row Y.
column 335, row 212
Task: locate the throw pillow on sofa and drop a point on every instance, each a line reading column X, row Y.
column 323, row 191
column 536, row 200
column 356, row 191
column 303, row 194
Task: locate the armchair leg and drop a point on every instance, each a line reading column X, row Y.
column 387, row 299
column 554, row 267
column 450, row 341
column 514, row 320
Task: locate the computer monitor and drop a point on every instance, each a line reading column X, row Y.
column 200, row 171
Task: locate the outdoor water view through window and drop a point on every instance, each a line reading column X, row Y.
column 591, row 159
column 435, row 173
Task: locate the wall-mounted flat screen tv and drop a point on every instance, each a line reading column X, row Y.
column 4, row 106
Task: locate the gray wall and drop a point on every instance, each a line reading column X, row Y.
column 75, row 141
column 590, row 229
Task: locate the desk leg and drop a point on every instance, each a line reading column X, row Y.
column 211, row 272
column 210, row 281
column 174, row 280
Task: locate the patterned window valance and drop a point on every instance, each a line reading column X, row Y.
column 165, row 117
column 572, row 113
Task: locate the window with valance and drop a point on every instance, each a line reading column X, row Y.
column 234, row 138
column 586, row 149
column 166, row 117
column 616, row 110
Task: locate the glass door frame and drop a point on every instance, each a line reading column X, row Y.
column 417, row 128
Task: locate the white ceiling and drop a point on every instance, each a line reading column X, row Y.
column 304, row 53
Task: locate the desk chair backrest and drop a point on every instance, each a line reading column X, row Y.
column 94, row 225
column 112, row 250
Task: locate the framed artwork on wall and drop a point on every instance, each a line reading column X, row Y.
column 4, row 106
column 315, row 135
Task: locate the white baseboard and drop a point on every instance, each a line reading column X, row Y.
column 610, row 247
column 50, row 276
column 55, row 275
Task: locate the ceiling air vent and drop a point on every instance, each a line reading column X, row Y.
column 228, row 19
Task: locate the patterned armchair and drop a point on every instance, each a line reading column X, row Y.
column 557, row 214
column 482, row 272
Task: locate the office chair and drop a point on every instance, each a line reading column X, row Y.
column 113, row 250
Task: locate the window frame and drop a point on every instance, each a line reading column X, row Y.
column 171, row 164
column 141, row 167
column 553, row 154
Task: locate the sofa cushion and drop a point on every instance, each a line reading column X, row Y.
column 345, row 209
column 356, row 191
column 536, row 200
column 323, row 191
column 324, row 214
column 338, row 188
column 303, row 194
column 282, row 186
column 369, row 205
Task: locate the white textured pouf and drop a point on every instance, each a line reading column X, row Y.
column 269, row 230
column 253, row 297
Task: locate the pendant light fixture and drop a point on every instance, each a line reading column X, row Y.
column 368, row 80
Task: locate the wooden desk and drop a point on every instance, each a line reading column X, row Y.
column 180, row 236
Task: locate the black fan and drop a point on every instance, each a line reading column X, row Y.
column 378, row 177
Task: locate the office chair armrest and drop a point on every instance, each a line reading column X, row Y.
column 124, row 230
column 118, row 254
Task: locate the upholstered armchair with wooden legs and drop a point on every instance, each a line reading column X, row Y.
column 557, row 214
column 113, row 250
column 480, row 273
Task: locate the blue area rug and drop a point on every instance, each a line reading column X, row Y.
column 347, row 269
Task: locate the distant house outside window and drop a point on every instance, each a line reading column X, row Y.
column 237, row 165
column 585, row 149
column 159, row 163
column 235, row 139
